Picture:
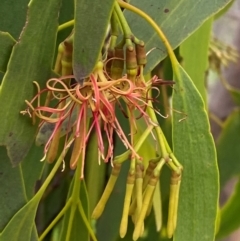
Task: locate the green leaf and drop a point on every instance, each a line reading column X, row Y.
column 75, row 226
column 106, row 232
column 228, row 148
column 91, row 22
column 31, row 60
column 196, row 64
column 194, row 147
column 177, row 18
column 224, row 10
column 22, row 222
column 233, row 91
column 229, row 220
column 6, row 44
column 13, row 16
column 31, row 169
column 94, row 173
column 13, row 203
column 17, row 184
column 66, row 14
column 12, row 190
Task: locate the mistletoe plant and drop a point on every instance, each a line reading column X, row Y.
column 101, row 94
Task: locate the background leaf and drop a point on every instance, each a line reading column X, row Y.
column 22, row 223
column 91, row 22
column 31, row 60
column 78, row 230
column 106, row 232
column 196, row 64
column 13, row 16
column 6, row 44
column 177, row 18
column 12, row 190
column 229, row 220
column 194, row 147
column 228, row 148
column 95, row 174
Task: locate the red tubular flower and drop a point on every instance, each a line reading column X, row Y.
column 91, row 107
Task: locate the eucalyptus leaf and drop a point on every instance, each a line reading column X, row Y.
column 228, row 148
column 22, row 223
column 12, row 191
column 177, row 18
column 196, row 64
column 73, row 227
column 107, row 232
column 234, row 92
column 31, row 60
column 6, row 45
column 91, row 22
column 229, row 220
column 194, row 147
column 31, row 175
column 13, row 16
column 94, row 172
column 18, row 185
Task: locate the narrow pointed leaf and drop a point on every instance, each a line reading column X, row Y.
column 234, row 92
column 22, row 223
column 194, row 147
column 6, row 45
column 12, row 190
column 228, row 148
column 229, row 220
column 116, row 199
column 196, row 64
column 17, row 184
column 31, row 169
column 77, row 228
column 31, row 60
column 13, row 16
column 177, row 18
column 94, row 173
column 91, row 22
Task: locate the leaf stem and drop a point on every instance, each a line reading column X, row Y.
column 54, row 170
column 66, row 25
column 121, row 158
column 158, row 31
column 85, row 219
column 126, row 29
column 56, row 219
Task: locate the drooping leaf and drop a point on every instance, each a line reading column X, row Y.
column 224, row 10
column 229, row 220
column 15, row 213
column 228, row 148
column 177, row 18
column 194, row 147
column 233, row 91
column 18, row 185
column 22, row 223
column 12, row 190
column 196, row 64
column 73, row 226
column 107, row 232
column 95, row 173
column 6, row 44
column 66, row 14
column 31, row 60
column 13, row 16
column 91, row 22
column 31, row 169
